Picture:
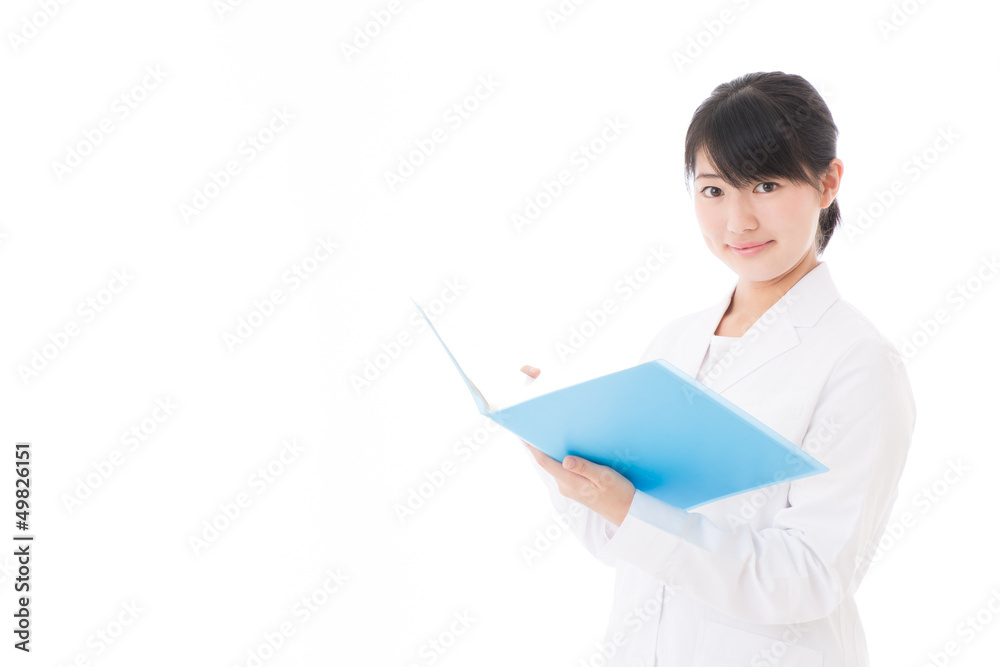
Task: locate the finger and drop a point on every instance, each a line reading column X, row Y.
column 554, row 467
column 593, row 480
column 598, row 475
column 579, row 465
column 530, row 371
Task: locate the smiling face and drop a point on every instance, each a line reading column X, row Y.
column 762, row 231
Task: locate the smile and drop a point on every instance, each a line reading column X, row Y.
column 752, row 250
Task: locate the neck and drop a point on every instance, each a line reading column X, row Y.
column 754, row 298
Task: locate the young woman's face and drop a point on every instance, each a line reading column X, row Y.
column 777, row 216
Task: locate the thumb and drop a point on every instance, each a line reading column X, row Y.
column 577, row 465
column 595, row 473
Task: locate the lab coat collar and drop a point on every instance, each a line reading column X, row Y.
column 773, row 333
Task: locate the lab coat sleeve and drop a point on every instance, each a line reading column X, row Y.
column 815, row 551
column 589, row 527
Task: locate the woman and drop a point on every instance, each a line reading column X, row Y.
column 766, row 577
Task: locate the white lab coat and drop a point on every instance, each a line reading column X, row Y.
column 766, row 577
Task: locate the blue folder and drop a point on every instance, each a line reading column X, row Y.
column 671, row 436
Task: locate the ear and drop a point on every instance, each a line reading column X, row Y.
column 831, row 182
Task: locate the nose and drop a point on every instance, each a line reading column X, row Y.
column 742, row 217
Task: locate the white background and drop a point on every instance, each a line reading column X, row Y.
column 334, row 506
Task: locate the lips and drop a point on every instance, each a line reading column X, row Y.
column 750, row 250
column 747, row 246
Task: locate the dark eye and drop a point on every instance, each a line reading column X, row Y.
column 711, row 191
column 772, row 187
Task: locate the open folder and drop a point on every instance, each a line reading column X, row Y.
column 672, row 437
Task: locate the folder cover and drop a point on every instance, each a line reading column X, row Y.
column 671, row 436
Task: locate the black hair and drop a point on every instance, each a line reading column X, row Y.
column 766, row 124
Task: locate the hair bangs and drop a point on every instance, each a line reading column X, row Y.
column 745, row 139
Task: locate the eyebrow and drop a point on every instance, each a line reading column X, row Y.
column 706, row 176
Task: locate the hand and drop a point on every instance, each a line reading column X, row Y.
column 599, row 487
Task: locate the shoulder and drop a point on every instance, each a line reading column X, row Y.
column 672, row 329
column 679, row 324
column 692, row 318
column 863, row 363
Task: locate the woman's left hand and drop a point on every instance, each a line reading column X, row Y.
column 593, row 485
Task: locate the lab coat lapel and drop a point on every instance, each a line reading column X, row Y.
column 772, row 334
column 775, row 334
